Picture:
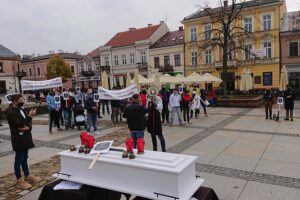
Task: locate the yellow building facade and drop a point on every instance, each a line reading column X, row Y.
column 262, row 18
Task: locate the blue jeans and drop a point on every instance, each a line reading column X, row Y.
column 176, row 110
column 67, row 117
column 21, row 160
column 136, row 135
column 92, row 121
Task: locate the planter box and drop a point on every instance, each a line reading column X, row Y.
column 153, row 175
column 241, row 101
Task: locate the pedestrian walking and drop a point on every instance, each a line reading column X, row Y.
column 165, row 100
column 20, row 124
column 186, row 101
column 136, row 121
column 203, row 101
column 289, row 98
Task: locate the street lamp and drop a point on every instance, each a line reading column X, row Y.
column 20, row 75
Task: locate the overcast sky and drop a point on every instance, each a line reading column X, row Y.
column 37, row 26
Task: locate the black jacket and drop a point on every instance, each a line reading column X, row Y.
column 289, row 102
column 268, row 96
column 20, row 140
column 115, row 103
column 89, row 104
column 135, row 115
column 154, row 120
column 65, row 105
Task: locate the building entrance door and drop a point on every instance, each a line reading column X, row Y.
column 294, row 79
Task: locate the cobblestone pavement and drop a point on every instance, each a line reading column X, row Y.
column 240, row 154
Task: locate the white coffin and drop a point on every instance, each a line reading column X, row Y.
column 147, row 175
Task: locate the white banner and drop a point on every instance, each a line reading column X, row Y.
column 117, row 94
column 39, row 85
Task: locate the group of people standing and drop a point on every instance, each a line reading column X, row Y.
column 288, row 101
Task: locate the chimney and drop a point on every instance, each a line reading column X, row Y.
column 150, row 25
column 161, row 22
column 225, row 4
column 132, row 29
column 181, row 28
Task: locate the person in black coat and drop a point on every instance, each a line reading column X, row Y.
column 135, row 115
column 154, row 126
column 20, row 124
column 165, row 100
column 268, row 97
column 289, row 98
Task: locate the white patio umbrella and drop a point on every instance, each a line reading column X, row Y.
column 207, row 77
column 179, row 79
column 104, row 80
column 194, row 78
column 128, row 79
column 156, row 81
column 243, row 80
column 249, row 80
column 284, row 81
column 166, row 78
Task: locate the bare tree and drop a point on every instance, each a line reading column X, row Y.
column 227, row 32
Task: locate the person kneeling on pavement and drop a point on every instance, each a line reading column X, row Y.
column 20, row 124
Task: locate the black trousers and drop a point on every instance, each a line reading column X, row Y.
column 54, row 117
column 186, row 114
column 165, row 113
column 105, row 104
column 162, row 142
column 203, row 106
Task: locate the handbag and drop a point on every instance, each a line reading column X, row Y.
column 206, row 103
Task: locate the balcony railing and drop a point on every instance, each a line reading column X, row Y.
column 166, row 68
column 142, row 66
column 105, row 68
column 87, row 73
column 230, row 63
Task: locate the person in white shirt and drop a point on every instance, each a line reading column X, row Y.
column 174, row 102
column 196, row 105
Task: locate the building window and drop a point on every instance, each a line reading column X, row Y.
column 72, row 69
column 267, row 22
column 143, row 56
column 247, row 50
column 97, row 67
column 132, row 58
column 38, row 71
column 124, row 59
column 207, row 31
column 1, row 67
column 248, row 24
column 82, row 68
column 89, row 68
column 257, row 79
column 177, row 60
column 208, row 57
column 167, row 60
column 267, row 78
column 116, row 60
column 106, row 61
column 30, row 72
column 294, row 49
column 268, row 48
column 194, row 58
column 193, row 34
column 156, row 62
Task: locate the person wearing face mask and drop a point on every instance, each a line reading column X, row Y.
column 91, row 107
column 20, row 124
column 174, row 101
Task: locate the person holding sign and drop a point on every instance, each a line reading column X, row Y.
column 67, row 105
column 289, row 98
column 91, row 106
column 268, row 97
column 20, row 124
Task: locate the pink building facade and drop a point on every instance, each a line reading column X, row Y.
column 36, row 68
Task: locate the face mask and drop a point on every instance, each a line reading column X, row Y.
column 20, row 104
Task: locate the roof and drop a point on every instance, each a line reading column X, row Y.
column 6, row 53
column 48, row 56
column 254, row 3
column 128, row 38
column 170, row 39
column 95, row 53
column 291, row 21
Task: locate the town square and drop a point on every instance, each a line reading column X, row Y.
column 183, row 100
